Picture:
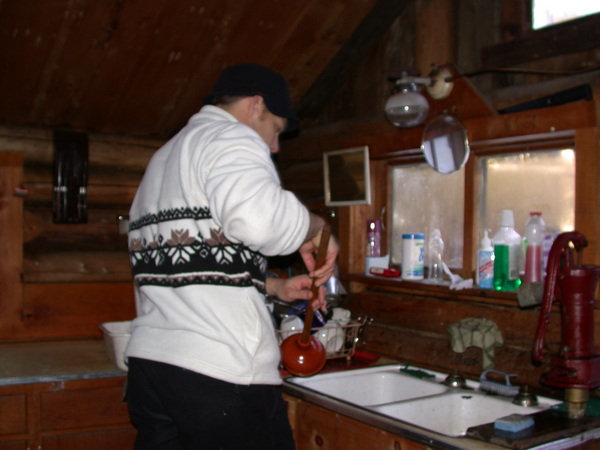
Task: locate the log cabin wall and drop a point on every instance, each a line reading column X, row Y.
column 64, row 280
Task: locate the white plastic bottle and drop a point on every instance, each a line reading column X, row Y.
column 413, row 256
column 374, row 238
column 436, row 250
column 535, row 230
column 484, row 275
column 507, row 254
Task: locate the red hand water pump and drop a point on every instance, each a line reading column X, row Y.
column 576, row 365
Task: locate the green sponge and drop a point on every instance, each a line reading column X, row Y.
column 514, row 423
column 416, row 373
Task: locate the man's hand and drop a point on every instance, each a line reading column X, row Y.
column 296, row 288
column 308, row 251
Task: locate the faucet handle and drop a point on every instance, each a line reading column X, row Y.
column 525, row 398
column 455, row 380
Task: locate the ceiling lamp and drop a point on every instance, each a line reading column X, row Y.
column 407, row 107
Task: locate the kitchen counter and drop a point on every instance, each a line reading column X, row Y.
column 420, row 435
column 46, row 362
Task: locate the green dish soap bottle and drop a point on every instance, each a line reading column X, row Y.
column 507, row 254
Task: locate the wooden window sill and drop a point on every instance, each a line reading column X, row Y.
column 361, row 283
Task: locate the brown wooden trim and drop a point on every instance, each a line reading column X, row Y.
column 587, row 190
column 73, row 310
column 11, row 239
column 561, row 39
column 385, row 141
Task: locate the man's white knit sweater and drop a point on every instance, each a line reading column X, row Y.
column 209, row 209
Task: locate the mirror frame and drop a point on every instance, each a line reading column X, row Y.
column 359, row 170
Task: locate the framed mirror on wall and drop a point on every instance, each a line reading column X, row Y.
column 346, row 176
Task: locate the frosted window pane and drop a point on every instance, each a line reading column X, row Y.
column 537, row 181
column 422, row 200
column 550, row 12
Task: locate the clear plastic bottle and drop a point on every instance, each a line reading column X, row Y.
column 374, row 238
column 484, row 275
column 436, row 250
column 535, row 230
column 507, row 254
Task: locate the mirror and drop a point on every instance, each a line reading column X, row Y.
column 346, row 176
column 445, row 145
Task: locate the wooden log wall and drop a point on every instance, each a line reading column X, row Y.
column 412, row 325
column 71, row 277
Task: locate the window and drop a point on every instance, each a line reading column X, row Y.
column 524, row 174
column 550, row 12
column 422, row 200
column 531, row 181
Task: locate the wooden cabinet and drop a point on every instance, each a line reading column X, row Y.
column 317, row 428
column 70, row 415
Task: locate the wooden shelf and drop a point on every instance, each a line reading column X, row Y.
column 363, row 282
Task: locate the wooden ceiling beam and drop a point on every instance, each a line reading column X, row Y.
column 375, row 25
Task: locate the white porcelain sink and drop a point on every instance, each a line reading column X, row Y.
column 417, row 397
column 374, row 386
column 453, row 413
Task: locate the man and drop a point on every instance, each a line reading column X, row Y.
column 203, row 356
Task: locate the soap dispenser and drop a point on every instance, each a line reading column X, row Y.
column 484, row 275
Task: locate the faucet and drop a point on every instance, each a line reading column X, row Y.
column 455, row 380
column 576, row 367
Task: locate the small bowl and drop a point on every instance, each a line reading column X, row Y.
column 331, row 336
column 341, row 316
column 291, row 325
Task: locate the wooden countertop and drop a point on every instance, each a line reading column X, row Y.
column 46, row 362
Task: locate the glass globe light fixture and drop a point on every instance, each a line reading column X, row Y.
column 406, row 107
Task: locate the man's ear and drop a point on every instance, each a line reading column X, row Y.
column 256, row 105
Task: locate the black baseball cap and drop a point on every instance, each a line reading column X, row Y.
column 254, row 79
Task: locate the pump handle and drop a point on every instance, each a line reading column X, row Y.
column 560, row 261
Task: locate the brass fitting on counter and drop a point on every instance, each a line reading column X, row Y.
column 576, row 400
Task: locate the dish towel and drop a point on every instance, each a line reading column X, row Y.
column 476, row 332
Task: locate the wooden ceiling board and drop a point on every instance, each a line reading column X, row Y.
column 328, row 35
column 25, row 45
column 255, row 35
column 298, row 39
column 123, row 63
column 141, row 68
column 92, row 65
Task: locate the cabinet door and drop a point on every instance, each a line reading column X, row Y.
column 14, row 445
column 317, row 428
column 13, row 411
column 97, row 440
column 83, row 406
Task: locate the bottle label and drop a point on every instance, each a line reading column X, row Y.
column 513, row 265
column 485, row 269
column 506, row 267
column 413, row 259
